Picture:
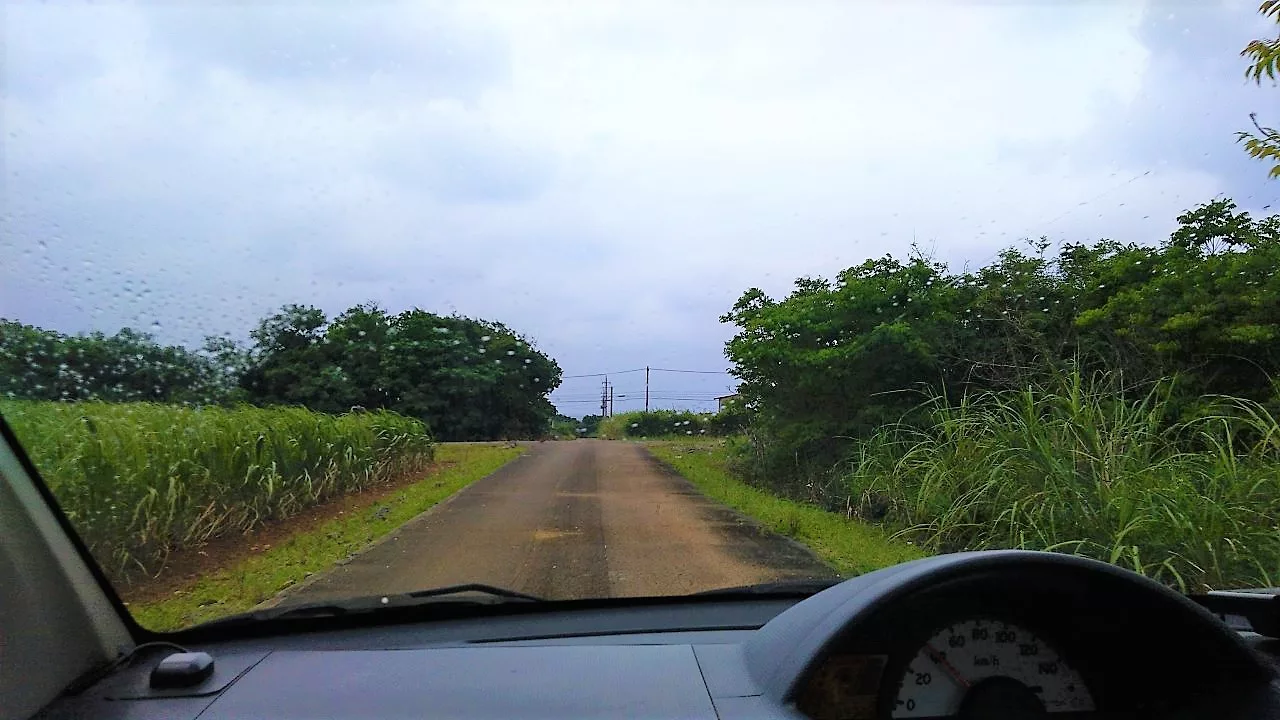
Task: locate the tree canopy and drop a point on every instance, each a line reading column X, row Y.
column 837, row 359
column 126, row 366
column 1264, row 55
column 467, row 379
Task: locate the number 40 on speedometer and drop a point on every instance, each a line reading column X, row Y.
column 988, row 668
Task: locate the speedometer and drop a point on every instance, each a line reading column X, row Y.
column 988, row 668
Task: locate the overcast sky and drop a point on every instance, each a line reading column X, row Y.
column 604, row 178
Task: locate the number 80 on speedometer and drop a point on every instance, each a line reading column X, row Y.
column 988, row 668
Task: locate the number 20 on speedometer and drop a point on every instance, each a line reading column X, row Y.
column 988, row 668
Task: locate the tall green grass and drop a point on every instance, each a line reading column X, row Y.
column 139, row 480
column 1075, row 468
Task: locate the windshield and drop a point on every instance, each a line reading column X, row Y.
column 304, row 303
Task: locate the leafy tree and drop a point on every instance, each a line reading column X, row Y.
column 291, row 363
column 1265, row 56
column 356, row 344
column 731, row 420
column 590, row 424
column 1208, row 309
column 467, row 379
column 484, row 379
column 128, row 366
column 564, row 427
column 228, row 360
column 834, row 361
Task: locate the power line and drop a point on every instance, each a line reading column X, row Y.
column 1026, row 232
column 1095, row 198
column 580, row 391
column 601, row 374
column 623, row 372
column 637, row 398
column 609, row 393
column 683, row 392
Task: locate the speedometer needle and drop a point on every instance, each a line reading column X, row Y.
column 941, row 661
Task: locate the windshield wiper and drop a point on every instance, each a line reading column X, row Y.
column 470, row 594
column 467, row 599
column 490, row 590
column 781, row 588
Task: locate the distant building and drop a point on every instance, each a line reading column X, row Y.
column 725, row 401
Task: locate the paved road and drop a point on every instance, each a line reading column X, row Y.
column 586, row 518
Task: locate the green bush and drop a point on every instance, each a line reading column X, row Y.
column 837, row 359
column 674, row 423
column 656, row 423
column 139, row 480
column 731, row 420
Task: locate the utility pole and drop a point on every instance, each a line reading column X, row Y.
column 610, row 402
column 646, row 388
column 604, row 398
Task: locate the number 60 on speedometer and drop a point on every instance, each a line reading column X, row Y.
column 988, row 668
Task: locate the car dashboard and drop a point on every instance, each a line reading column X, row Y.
column 979, row 635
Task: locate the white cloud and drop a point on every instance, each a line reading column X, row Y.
column 607, row 177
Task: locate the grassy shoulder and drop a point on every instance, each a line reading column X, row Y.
column 850, row 546
column 258, row 578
